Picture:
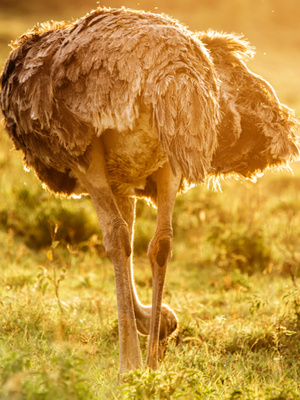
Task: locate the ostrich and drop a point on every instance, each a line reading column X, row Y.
column 124, row 104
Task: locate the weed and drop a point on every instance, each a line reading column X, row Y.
column 21, row 379
column 233, row 279
column 237, row 247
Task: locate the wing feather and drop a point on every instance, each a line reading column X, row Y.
column 66, row 82
column 183, row 91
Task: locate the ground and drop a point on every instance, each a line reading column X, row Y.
column 233, row 279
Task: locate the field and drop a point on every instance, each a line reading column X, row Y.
column 234, row 275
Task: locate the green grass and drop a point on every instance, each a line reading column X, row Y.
column 232, row 282
column 233, row 279
column 238, row 334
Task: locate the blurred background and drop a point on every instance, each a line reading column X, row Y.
column 272, row 26
column 233, row 279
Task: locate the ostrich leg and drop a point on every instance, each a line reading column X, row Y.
column 117, row 241
column 142, row 312
column 159, row 252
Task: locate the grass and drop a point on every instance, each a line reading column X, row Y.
column 239, row 335
column 233, row 279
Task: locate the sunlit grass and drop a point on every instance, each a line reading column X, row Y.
column 239, row 333
column 233, row 279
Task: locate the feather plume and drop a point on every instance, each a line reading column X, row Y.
column 135, row 76
column 256, row 131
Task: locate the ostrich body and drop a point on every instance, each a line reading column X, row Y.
column 124, row 104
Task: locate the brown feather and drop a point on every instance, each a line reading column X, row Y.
column 153, row 89
column 256, row 131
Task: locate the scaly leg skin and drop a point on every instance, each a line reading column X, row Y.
column 117, row 241
column 159, row 253
column 169, row 321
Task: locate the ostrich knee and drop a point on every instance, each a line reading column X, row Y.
column 117, row 243
column 160, row 248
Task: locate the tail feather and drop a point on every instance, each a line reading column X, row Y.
column 256, row 131
column 184, row 98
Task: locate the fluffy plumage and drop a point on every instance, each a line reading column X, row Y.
column 256, row 130
column 147, row 82
column 169, row 107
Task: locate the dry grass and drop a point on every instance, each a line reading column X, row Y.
column 233, row 279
